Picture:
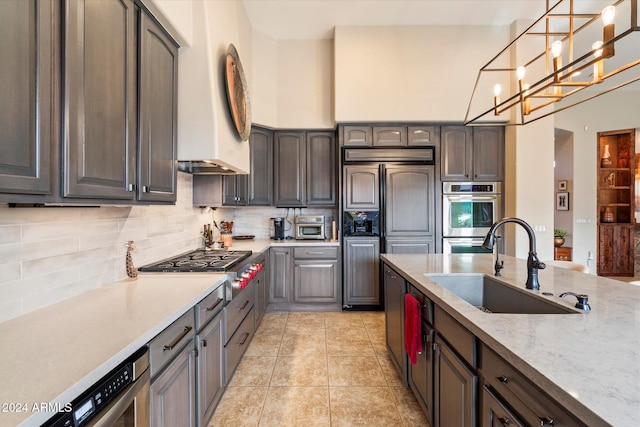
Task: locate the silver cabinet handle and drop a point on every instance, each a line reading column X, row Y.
column 184, row 333
column 504, row 421
column 546, row 421
column 204, row 343
column 145, row 189
column 244, row 305
column 131, row 187
column 245, row 336
column 215, row 304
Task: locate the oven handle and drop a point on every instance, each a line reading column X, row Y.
column 472, row 241
column 471, row 198
column 110, row 414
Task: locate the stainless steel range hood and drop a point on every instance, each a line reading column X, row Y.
column 208, row 142
column 204, row 167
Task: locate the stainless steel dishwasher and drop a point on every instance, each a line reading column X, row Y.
column 120, row 398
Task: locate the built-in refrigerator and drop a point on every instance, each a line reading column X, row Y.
column 388, row 207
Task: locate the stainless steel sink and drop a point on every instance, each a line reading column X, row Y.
column 493, row 296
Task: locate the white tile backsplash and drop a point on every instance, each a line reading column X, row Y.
column 48, row 254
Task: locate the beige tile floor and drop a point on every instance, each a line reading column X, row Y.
column 318, row 369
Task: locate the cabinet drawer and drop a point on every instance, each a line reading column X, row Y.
column 211, row 305
column 164, row 347
column 494, row 413
column 531, row 403
column 389, row 136
column 458, row 337
column 425, row 303
column 357, row 136
column 316, row 252
column 238, row 308
column 237, row 345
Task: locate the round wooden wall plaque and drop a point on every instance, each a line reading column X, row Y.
column 237, row 93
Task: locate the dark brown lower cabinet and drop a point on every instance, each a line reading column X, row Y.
column 210, row 384
column 421, row 374
column 616, row 250
column 173, row 400
column 394, row 291
column 495, row 413
column 455, row 389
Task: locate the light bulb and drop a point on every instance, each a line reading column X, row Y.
column 520, row 72
column 556, row 48
column 597, row 47
column 497, row 89
column 608, row 14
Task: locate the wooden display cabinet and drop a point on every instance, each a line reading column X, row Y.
column 615, row 199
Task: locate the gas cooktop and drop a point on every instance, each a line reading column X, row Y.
column 218, row 261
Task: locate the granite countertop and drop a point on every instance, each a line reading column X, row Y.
column 259, row 245
column 589, row 362
column 54, row 354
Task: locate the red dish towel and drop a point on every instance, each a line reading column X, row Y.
column 412, row 341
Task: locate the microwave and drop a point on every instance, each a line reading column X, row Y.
column 309, row 227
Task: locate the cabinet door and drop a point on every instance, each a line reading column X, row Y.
column 321, row 168
column 289, row 157
column 420, row 375
column 281, row 282
column 229, row 190
column 389, row 136
column 262, row 291
column 157, row 172
column 420, row 136
column 410, row 200
column 173, row 392
column 357, row 136
column 26, row 84
column 495, row 414
column 455, row 389
column 362, row 191
column 456, row 153
column 615, row 250
column 315, row 281
column 210, row 368
column 260, row 186
column 100, row 100
column 488, row 153
column 394, row 291
column 362, row 271
column 399, row 245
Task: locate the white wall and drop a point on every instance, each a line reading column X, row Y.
column 264, row 81
column 563, row 171
column 305, row 84
column 617, row 110
column 410, row 73
column 50, row 254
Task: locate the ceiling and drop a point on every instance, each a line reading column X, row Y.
column 315, row 19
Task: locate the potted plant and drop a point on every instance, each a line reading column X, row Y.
column 558, row 237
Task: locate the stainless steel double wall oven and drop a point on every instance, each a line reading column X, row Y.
column 468, row 210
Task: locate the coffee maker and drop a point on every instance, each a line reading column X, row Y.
column 277, row 228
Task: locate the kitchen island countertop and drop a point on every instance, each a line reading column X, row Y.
column 54, row 354
column 589, row 362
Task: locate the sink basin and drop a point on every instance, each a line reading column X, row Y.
column 492, row 296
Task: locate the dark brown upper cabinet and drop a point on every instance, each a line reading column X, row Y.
column 27, row 87
column 157, row 165
column 113, row 72
column 100, row 100
column 472, row 154
column 304, row 168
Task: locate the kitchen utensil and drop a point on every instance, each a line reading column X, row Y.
column 244, row 237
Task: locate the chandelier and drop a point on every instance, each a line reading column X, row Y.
column 576, row 51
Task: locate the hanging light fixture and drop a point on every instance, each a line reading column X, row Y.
column 571, row 54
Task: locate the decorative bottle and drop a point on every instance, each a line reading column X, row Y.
column 607, row 215
column 605, row 162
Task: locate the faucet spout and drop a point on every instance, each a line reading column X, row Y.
column 533, row 263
